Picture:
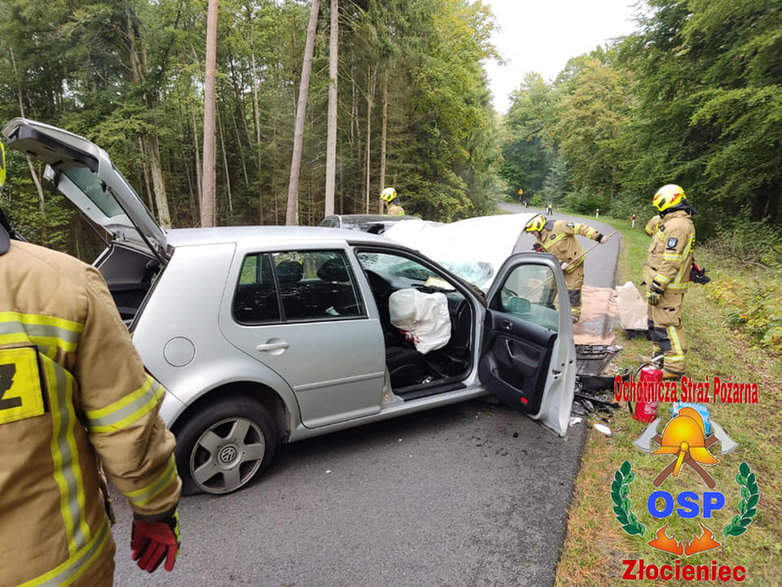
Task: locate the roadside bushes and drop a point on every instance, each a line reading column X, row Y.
column 585, row 201
column 745, row 264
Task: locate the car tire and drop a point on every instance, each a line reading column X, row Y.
column 224, row 446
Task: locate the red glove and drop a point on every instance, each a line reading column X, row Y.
column 151, row 542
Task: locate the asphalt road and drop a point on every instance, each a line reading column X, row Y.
column 471, row 494
column 466, row 495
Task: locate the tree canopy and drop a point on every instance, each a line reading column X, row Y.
column 128, row 74
column 694, row 97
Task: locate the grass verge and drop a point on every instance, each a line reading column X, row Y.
column 596, row 545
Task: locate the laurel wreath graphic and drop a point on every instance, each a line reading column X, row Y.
column 748, row 503
column 620, row 488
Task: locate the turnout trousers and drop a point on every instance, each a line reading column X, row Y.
column 666, row 332
column 575, row 281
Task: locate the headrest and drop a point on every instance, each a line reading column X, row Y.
column 333, row 270
column 289, row 271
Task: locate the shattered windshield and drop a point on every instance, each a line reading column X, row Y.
column 475, row 272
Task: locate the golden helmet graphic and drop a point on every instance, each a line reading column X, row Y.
column 685, row 436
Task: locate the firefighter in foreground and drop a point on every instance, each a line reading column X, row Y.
column 667, row 276
column 391, row 198
column 74, row 396
column 559, row 237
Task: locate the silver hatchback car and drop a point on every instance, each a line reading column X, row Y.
column 263, row 335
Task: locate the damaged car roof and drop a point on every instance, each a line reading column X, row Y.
column 474, row 249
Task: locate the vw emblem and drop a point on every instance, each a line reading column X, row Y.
column 227, row 454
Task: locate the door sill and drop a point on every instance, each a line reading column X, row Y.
column 428, row 389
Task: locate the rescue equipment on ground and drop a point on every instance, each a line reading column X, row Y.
column 698, row 275
column 646, row 411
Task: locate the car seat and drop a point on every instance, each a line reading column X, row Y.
column 289, row 274
column 336, row 290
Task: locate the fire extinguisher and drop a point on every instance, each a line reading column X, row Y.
column 646, row 411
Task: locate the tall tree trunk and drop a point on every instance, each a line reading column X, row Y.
column 208, row 199
column 383, row 137
column 256, row 105
column 331, row 138
column 158, row 183
column 225, row 167
column 292, row 211
column 191, row 195
column 240, row 146
column 145, row 174
column 33, row 173
column 257, row 120
column 197, row 150
column 368, row 155
column 139, row 69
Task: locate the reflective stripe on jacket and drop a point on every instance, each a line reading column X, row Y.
column 558, row 237
column 670, row 253
column 72, row 391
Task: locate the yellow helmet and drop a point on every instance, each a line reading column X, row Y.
column 535, row 224
column 668, row 196
column 388, row 194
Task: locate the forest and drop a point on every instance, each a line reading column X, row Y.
column 692, row 97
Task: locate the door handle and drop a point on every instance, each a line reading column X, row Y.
column 272, row 346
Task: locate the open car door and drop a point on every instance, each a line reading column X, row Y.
column 528, row 357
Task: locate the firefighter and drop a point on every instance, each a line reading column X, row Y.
column 75, row 399
column 667, row 276
column 559, row 237
column 391, row 198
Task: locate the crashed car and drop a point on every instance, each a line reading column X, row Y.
column 374, row 223
column 267, row 335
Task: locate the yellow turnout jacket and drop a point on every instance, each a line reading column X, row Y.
column 559, row 237
column 670, row 253
column 72, row 391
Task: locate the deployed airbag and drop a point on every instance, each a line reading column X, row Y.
column 422, row 317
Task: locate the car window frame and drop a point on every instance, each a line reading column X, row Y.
column 358, row 289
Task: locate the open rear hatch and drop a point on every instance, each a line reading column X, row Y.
column 84, row 174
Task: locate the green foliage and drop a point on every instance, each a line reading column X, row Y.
column 584, row 201
column 129, row 76
column 45, row 224
column 751, row 302
column 620, row 491
column 694, row 97
column 747, row 506
column 749, row 242
column 526, row 159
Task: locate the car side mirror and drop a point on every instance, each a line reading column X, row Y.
column 519, row 306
